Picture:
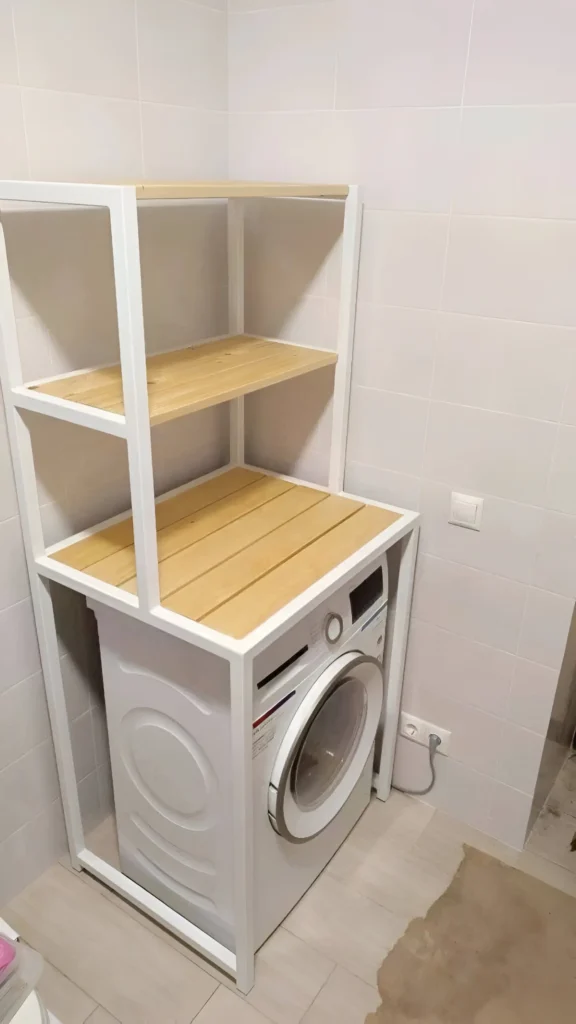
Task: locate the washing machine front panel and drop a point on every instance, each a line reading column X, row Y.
column 326, row 746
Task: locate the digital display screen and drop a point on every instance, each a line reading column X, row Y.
column 366, row 593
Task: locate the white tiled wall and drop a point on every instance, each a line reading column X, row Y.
column 458, row 118
column 100, row 91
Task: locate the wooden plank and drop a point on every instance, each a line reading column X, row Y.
column 236, row 189
column 257, row 602
column 111, row 539
column 200, row 558
column 120, row 567
column 192, row 379
column 205, row 594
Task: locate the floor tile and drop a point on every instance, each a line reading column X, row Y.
column 393, row 865
column 63, row 998
column 226, row 1008
column 346, row 927
column 289, row 976
column 547, row 871
column 552, row 836
column 344, row 998
column 100, row 1016
column 124, row 967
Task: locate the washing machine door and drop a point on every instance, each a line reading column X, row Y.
column 326, row 746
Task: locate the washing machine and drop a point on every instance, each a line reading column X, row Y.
column 317, row 697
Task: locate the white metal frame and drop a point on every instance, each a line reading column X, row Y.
column 134, row 427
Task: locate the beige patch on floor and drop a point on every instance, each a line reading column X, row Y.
column 498, row 947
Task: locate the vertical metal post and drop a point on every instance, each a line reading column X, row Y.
column 236, row 315
column 126, row 254
column 31, row 524
column 351, row 238
column 241, row 707
column 399, row 628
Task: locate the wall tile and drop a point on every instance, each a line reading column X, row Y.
column 505, row 544
column 521, row 52
column 520, row 758
column 473, row 604
column 458, row 669
column 182, row 51
column 260, row 5
column 283, row 58
column 76, row 687
column 181, row 143
column 545, row 628
column 532, row 696
column 29, row 851
column 402, row 259
column 83, row 750
column 303, row 149
column 8, row 59
column 394, row 348
column 8, row 501
column 509, row 814
column 404, row 157
column 27, row 787
column 476, row 736
column 78, row 46
column 518, row 162
column 488, row 452
column 13, row 576
column 502, row 365
column 23, row 719
column 383, row 485
column 413, row 54
column 81, row 138
column 19, row 656
column 89, row 797
column 13, row 159
column 387, row 430
column 569, row 408
column 514, row 269
column 562, row 483
column 555, row 564
column 460, row 791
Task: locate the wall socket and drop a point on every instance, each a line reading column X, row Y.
column 417, row 730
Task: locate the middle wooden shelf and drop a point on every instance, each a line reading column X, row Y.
column 190, row 379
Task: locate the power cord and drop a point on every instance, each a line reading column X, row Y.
column 434, row 742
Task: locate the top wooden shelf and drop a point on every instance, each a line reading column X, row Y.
column 191, row 379
column 236, row 190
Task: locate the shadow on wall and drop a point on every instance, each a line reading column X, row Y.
column 562, row 725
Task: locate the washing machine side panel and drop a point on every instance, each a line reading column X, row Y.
column 168, row 712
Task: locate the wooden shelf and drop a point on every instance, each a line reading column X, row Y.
column 194, row 378
column 235, row 549
column 236, row 190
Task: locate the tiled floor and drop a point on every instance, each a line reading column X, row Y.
column 555, row 829
column 107, row 963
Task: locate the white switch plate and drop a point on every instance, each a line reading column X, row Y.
column 417, row 730
column 466, row 510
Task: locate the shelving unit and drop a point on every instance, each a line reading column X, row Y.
column 228, row 562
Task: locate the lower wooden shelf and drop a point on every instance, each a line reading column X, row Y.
column 190, row 379
column 235, row 549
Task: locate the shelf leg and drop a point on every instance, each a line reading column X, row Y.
column 243, row 841
column 236, row 316
column 351, row 238
column 399, row 627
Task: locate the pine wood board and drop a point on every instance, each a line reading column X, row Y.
column 236, row 548
column 237, row 189
column 258, row 601
column 113, row 539
column 194, row 378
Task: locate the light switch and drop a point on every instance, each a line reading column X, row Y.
column 466, row 510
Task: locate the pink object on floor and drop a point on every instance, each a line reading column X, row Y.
column 7, row 958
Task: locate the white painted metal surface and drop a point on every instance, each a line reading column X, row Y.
column 240, row 655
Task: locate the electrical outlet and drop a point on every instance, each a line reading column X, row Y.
column 417, row 730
